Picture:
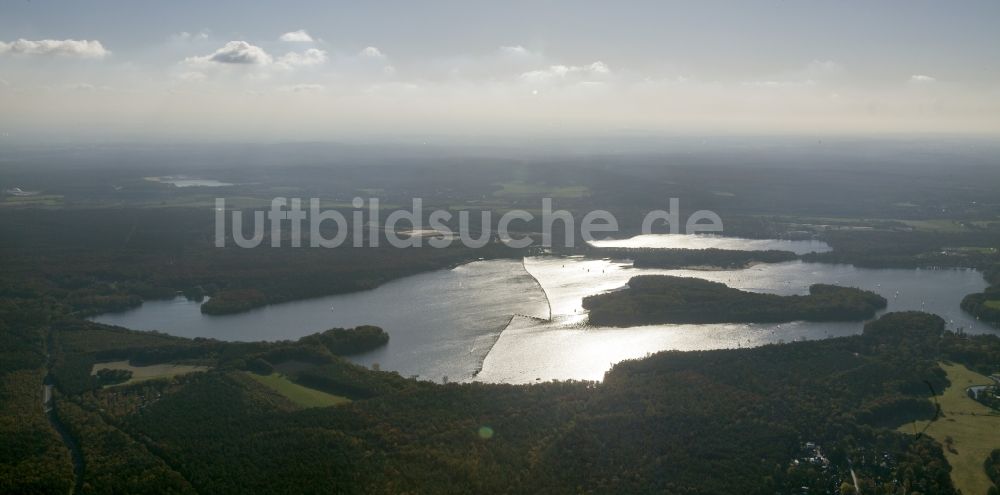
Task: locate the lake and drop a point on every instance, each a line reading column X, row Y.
column 441, row 323
column 184, row 181
column 523, row 321
column 566, row 349
column 706, row 241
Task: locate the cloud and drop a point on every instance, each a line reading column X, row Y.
column 242, row 53
column 235, row 52
column 516, row 51
column 814, row 73
column 87, row 87
column 921, row 78
column 312, row 56
column 302, row 88
column 566, row 72
column 779, row 84
column 503, row 62
column 368, row 63
column 300, row 36
column 82, row 87
column 186, row 36
column 68, row 48
column 371, row 52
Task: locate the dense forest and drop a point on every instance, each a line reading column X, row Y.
column 730, row 421
column 910, row 249
column 131, row 256
column 651, row 299
column 992, row 466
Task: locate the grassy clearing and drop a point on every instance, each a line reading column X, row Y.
column 140, row 373
column 973, row 428
column 301, row 396
column 992, row 304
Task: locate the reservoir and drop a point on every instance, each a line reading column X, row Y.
column 523, row 322
column 703, row 241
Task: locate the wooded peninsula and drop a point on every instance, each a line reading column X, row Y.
column 651, row 299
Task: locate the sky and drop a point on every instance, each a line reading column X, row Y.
column 290, row 71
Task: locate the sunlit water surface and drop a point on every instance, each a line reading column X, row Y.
column 705, row 241
column 564, row 348
column 489, row 320
column 441, row 323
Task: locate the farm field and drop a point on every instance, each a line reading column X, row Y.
column 152, row 372
column 973, row 430
column 301, row 396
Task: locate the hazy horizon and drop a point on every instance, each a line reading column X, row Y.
column 313, row 71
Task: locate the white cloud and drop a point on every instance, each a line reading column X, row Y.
column 302, row 88
column 244, row 54
column 598, row 68
column 515, row 56
column 235, row 52
column 312, row 56
column 501, row 63
column 69, row 48
column 82, row 87
column 371, row 52
column 921, row 78
column 812, row 74
column 300, row 36
column 779, row 84
column 516, row 50
column 565, row 72
column 822, row 68
column 187, row 36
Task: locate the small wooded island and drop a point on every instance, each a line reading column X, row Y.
column 652, row 299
